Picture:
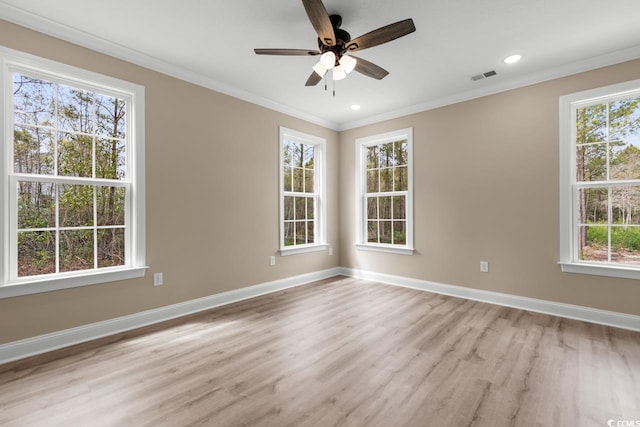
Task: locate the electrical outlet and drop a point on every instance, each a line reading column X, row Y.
column 484, row 266
column 272, row 260
column 157, row 279
column 330, row 251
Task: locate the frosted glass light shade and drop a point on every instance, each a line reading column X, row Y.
column 338, row 73
column 320, row 69
column 328, row 60
column 348, row 63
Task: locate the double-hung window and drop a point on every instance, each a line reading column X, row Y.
column 302, row 192
column 384, row 182
column 600, row 181
column 72, row 176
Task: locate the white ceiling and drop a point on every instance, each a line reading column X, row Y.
column 211, row 43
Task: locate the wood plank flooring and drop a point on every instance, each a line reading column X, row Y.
column 340, row 352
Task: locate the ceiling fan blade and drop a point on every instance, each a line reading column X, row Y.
column 319, row 18
column 382, row 35
column 370, row 69
column 296, row 52
column 313, row 79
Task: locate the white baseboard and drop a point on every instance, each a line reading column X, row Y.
column 587, row 314
column 41, row 344
column 44, row 343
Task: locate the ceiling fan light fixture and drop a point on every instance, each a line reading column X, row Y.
column 339, row 73
column 328, row 60
column 320, row 69
column 348, row 63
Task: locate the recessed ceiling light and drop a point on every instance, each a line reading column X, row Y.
column 512, row 59
column 355, row 107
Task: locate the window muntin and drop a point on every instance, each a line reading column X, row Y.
column 385, row 191
column 600, row 193
column 72, row 159
column 301, row 192
column 608, row 181
column 68, row 144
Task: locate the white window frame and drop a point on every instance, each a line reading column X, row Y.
column 361, row 192
column 568, row 104
column 135, row 266
column 320, row 205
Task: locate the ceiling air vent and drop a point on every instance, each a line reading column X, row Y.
column 485, row 75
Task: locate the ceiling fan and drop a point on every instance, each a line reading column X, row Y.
column 335, row 45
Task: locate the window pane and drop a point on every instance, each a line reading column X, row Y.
column 308, row 153
column 110, row 116
column 297, row 155
column 386, row 180
column 111, row 202
column 76, row 250
column 625, row 203
column 32, row 151
column 301, row 232
column 372, row 157
column 593, row 206
column 298, row 180
column 399, row 233
column 385, row 157
column 399, row 207
column 33, row 101
column 401, row 179
column 310, row 232
column 372, row 208
column 591, row 124
column 75, row 205
column 372, row 181
column 36, row 253
column 400, row 152
column 310, row 208
column 36, row 205
column 624, row 119
column 384, row 207
column 593, row 243
column 591, row 162
column 75, row 109
column 308, row 181
column 111, row 247
column 372, row 231
column 110, row 159
column 289, row 233
column 287, row 178
column 288, row 208
column 625, row 244
column 75, row 155
column 301, row 207
column 625, row 159
column 385, row 232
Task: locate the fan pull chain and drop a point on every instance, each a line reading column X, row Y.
column 334, row 87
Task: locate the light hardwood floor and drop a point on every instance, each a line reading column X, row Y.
column 341, row 352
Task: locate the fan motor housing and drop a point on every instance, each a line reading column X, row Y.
column 342, row 38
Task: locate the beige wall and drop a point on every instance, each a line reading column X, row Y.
column 212, row 198
column 486, row 188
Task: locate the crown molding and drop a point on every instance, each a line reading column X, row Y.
column 55, row 29
column 47, row 26
column 605, row 60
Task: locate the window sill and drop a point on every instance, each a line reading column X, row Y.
column 36, row 286
column 402, row 250
column 608, row 270
column 303, row 249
